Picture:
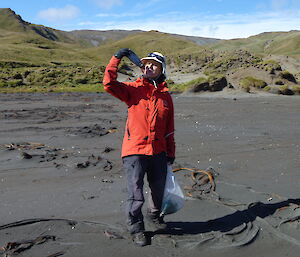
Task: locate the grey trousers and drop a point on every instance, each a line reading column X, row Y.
column 135, row 167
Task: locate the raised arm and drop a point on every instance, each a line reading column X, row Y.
column 111, row 85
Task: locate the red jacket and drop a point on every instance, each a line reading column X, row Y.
column 150, row 123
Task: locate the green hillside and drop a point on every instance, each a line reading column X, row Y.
column 144, row 43
column 38, row 58
column 276, row 43
column 12, row 22
column 93, row 38
column 23, row 42
column 32, row 49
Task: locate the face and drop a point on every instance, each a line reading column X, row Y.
column 152, row 69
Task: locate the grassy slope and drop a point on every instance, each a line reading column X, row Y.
column 29, row 43
column 143, row 43
column 27, row 47
column 11, row 22
column 31, row 48
column 277, row 43
column 288, row 44
column 23, row 42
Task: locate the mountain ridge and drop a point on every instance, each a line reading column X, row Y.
column 279, row 42
column 11, row 21
column 49, row 58
column 263, row 43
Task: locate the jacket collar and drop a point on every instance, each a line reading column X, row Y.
column 162, row 87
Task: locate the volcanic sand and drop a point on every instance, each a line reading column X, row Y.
column 63, row 190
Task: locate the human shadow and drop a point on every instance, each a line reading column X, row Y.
column 228, row 222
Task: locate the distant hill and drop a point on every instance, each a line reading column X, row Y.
column 198, row 40
column 276, row 43
column 98, row 37
column 12, row 22
column 14, row 30
column 25, row 42
column 79, row 56
column 145, row 42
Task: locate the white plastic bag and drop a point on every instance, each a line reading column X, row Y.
column 173, row 199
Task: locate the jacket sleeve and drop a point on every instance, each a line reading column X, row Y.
column 170, row 131
column 111, row 85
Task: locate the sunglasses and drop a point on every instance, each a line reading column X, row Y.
column 158, row 57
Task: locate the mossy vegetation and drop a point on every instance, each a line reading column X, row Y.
column 51, row 78
column 285, row 90
column 288, row 76
column 296, row 89
column 222, row 61
column 170, row 82
column 248, row 82
column 212, row 83
column 181, row 87
column 55, row 88
column 269, row 65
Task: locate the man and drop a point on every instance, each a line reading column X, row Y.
column 148, row 143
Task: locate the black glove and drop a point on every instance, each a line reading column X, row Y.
column 170, row 160
column 122, row 52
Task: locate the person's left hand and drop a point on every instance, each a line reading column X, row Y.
column 123, row 52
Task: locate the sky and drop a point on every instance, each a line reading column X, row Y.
column 224, row 19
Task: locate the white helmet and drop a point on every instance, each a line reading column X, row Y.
column 158, row 57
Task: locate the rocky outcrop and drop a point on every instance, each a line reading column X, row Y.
column 204, row 86
column 288, row 76
column 217, row 84
column 212, row 85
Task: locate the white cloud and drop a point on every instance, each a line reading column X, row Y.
column 108, row 4
column 118, row 15
column 58, row 14
column 218, row 26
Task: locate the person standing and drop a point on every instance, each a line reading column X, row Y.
column 148, row 143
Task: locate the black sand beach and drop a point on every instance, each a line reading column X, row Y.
column 62, row 187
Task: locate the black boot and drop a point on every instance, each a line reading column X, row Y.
column 139, row 239
column 156, row 222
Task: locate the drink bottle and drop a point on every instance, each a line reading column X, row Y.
column 135, row 59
